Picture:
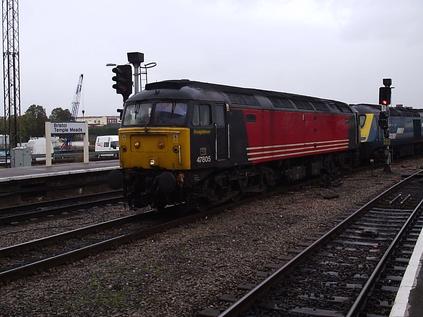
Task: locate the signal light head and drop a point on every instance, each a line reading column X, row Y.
column 123, row 79
column 385, row 96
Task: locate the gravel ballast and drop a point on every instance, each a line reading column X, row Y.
column 185, row 269
column 30, row 230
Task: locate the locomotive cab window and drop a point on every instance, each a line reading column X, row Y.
column 170, row 113
column 161, row 113
column 137, row 114
column 201, row 115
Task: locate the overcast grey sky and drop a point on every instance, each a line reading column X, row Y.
column 338, row 49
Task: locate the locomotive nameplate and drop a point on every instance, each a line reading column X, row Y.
column 201, row 132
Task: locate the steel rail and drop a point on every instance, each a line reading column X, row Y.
column 245, row 302
column 361, row 298
column 18, row 213
column 53, row 202
column 77, row 254
column 28, row 268
column 70, row 234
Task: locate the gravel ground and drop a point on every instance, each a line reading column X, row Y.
column 13, row 234
column 184, row 270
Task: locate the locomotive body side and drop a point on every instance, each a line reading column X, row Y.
column 184, row 141
column 278, row 135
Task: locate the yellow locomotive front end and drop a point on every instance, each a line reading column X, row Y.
column 154, row 145
column 165, row 148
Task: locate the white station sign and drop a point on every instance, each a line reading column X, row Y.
column 68, row 127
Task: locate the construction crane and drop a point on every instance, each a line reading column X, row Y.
column 77, row 98
column 67, row 142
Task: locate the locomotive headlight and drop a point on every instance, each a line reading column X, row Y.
column 137, row 145
column 152, row 162
column 161, row 145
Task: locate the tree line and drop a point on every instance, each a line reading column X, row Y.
column 32, row 123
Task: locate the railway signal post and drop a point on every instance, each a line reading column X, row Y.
column 123, row 80
column 385, row 101
column 136, row 58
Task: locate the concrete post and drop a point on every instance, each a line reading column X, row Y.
column 86, row 145
column 48, row 144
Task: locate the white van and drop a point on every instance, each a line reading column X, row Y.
column 38, row 147
column 107, row 145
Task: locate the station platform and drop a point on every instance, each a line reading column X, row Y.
column 408, row 302
column 37, row 171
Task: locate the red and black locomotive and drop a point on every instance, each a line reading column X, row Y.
column 205, row 143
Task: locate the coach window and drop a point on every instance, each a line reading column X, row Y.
column 201, row 115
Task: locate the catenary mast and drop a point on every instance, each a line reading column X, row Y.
column 11, row 70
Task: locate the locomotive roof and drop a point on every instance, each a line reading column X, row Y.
column 186, row 89
column 178, row 84
column 397, row 111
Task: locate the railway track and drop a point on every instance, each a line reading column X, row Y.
column 354, row 269
column 27, row 258
column 44, row 210
column 41, row 254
